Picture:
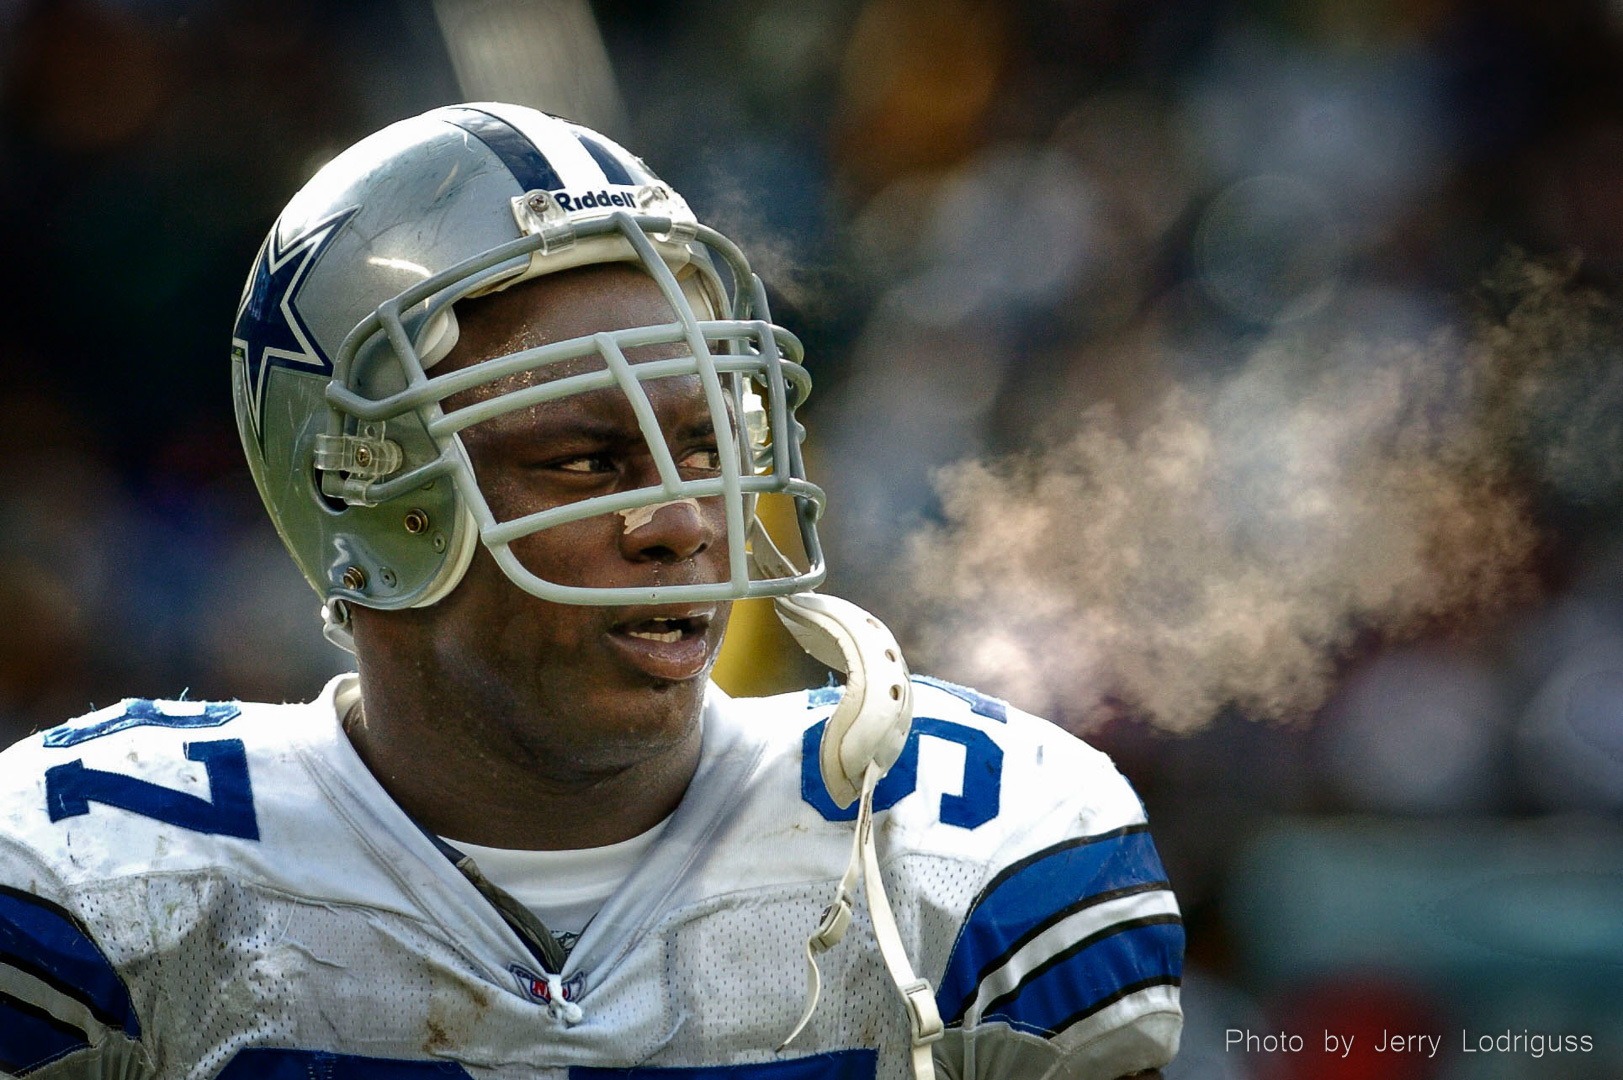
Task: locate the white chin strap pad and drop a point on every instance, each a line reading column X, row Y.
column 861, row 742
column 871, row 722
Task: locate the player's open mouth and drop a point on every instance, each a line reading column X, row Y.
column 670, row 645
column 664, row 629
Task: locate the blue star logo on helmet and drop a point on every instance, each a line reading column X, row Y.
column 269, row 331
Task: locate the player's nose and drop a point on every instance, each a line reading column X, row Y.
column 667, row 532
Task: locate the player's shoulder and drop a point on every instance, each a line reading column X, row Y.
column 1074, row 934
column 978, row 779
column 1030, row 856
column 106, row 820
column 144, row 784
column 1051, row 758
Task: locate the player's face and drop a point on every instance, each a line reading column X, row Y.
column 622, row 680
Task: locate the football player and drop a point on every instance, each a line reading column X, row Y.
column 512, row 408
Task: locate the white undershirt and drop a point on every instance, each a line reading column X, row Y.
column 563, row 888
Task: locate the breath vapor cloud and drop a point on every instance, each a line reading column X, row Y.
column 1231, row 549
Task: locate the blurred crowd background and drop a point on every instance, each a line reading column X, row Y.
column 1240, row 384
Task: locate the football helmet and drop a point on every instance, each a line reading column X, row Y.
column 352, row 301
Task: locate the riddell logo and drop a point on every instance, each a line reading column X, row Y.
column 593, row 199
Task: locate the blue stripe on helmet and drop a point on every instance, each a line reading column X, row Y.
column 614, row 170
column 522, row 157
column 31, row 1037
column 1078, row 985
column 1036, row 892
column 41, row 939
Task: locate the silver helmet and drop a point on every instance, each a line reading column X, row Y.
column 351, row 303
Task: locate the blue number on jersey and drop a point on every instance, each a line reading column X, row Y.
column 141, row 713
column 983, row 775
column 71, row 788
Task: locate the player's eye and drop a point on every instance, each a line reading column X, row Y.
column 707, row 459
column 586, row 463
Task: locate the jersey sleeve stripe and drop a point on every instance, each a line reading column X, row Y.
column 1038, row 891
column 16, row 985
column 31, row 1037
column 1075, row 932
column 1069, row 923
column 1020, row 867
column 1079, row 982
column 1130, row 992
column 46, row 942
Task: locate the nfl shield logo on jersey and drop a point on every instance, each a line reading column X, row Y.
column 538, row 988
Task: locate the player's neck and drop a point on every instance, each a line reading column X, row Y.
column 461, row 775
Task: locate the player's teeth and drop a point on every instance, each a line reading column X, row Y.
column 649, row 635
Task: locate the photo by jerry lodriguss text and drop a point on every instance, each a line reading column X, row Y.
column 1531, row 1043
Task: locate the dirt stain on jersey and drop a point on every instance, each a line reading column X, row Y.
column 457, row 1013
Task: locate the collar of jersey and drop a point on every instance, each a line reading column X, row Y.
column 727, row 758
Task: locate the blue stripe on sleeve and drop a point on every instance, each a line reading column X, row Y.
column 522, row 157
column 1035, row 892
column 1081, row 983
column 45, row 941
column 31, row 1037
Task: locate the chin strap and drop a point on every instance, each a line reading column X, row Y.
column 862, row 740
column 335, row 625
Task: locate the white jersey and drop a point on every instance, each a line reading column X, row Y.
column 224, row 890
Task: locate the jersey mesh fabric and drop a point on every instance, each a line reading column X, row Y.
column 246, row 955
column 741, row 961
